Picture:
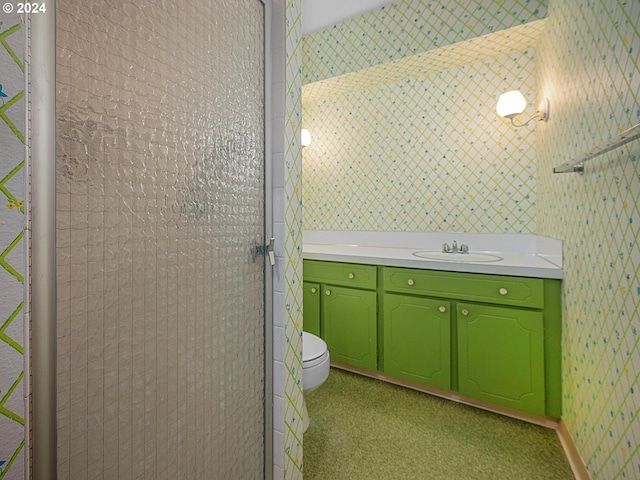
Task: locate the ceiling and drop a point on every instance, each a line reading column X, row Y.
column 318, row 14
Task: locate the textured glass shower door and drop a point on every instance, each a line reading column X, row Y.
column 160, row 150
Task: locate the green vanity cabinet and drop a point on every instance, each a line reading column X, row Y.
column 311, row 307
column 348, row 310
column 417, row 339
column 501, row 356
column 493, row 339
column 504, row 335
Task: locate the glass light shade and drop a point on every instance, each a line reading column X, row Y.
column 511, row 104
column 305, row 138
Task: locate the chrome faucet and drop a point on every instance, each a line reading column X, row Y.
column 454, row 248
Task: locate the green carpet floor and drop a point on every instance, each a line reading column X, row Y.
column 363, row 428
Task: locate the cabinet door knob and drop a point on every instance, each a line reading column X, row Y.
column 464, row 312
column 410, row 281
column 351, row 276
column 314, row 290
column 327, row 292
column 442, row 308
column 503, row 291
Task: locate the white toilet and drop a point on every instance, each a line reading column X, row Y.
column 315, row 368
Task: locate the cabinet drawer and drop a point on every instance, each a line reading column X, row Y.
column 344, row 274
column 498, row 289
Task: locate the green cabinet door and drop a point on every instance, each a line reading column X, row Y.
column 501, row 356
column 311, row 308
column 417, row 340
column 349, row 325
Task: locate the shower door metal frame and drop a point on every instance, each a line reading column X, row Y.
column 268, row 227
column 41, row 128
column 40, row 77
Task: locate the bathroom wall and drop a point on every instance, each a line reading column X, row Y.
column 287, row 194
column 426, row 153
column 405, row 28
column 589, row 67
column 12, row 247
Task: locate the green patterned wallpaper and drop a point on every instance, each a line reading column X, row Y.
column 415, row 144
column 12, row 245
column 494, row 45
column 405, row 28
column 589, row 67
column 427, row 153
column 293, row 244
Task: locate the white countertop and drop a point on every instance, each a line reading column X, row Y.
column 522, row 255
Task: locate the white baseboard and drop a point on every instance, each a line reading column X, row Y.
column 572, row 453
column 543, row 421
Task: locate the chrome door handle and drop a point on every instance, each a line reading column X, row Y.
column 271, row 252
column 266, row 250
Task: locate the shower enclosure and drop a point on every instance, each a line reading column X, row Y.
column 159, row 233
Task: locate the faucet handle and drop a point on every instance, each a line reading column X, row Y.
column 446, row 248
column 464, row 248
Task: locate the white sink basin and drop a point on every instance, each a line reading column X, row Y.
column 458, row 257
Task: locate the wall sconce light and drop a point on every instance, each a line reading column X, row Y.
column 511, row 104
column 305, row 138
